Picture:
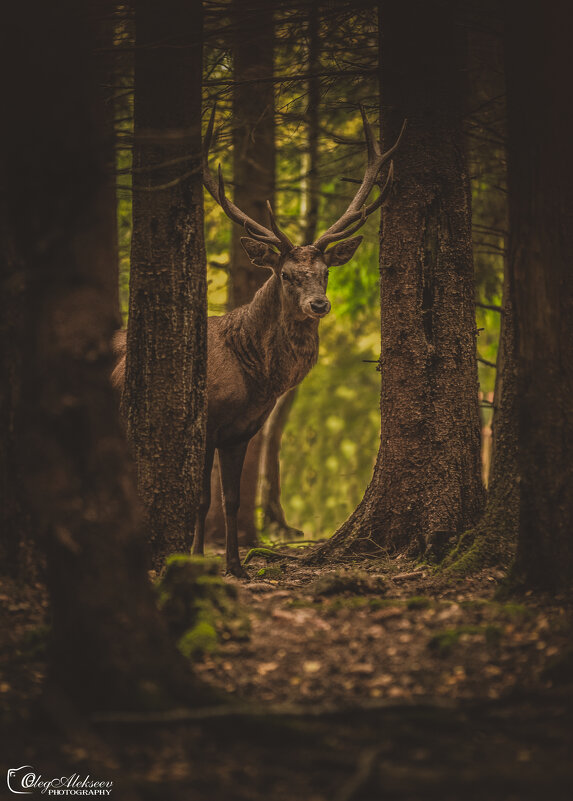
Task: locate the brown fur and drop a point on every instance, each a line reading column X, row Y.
column 255, row 354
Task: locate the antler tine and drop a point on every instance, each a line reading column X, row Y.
column 328, row 239
column 217, row 190
column 267, row 240
column 396, row 144
column 371, row 143
column 287, row 244
column 376, row 159
column 209, row 131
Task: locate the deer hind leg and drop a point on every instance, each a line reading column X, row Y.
column 231, row 463
column 205, row 502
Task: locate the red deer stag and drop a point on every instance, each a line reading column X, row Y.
column 260, row 350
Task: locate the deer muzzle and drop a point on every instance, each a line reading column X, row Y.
column 319, row 307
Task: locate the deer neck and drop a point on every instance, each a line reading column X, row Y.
column 275, row 350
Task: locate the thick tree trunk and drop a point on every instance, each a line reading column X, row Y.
column 540, row 132
column 109, row 645
column 164, row 396
column 426, row 488
column 16, row 545
column 254, row 184
column 492, row 541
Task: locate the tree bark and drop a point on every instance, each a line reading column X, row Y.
column 254, row 184
column 16, row 544
column 274, row 519
column 164, row 396
column 109, row 644
column 426, row 488
column 493, row 540
column 540, row 131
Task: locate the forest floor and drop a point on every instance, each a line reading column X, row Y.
column 367, row 681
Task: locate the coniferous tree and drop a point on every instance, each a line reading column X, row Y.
column 109, row 646
column 540, row 130
column 426, row 488
column 253, row 122
column 274, row 519
column 164, row 395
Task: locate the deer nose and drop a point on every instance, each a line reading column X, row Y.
column 320, row 306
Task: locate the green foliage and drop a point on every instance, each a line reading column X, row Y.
column 332, row 437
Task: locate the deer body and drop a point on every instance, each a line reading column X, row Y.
column 259, row 351
column 254, row 354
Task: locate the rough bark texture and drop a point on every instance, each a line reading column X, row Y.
column 254, row 184
column 164, row 396
column 426, row 487
column 493, row 540
column 108, row 646
column 540, row 132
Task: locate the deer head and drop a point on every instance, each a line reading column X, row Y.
column 303, row 270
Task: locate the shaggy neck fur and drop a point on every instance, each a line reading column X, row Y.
column 274, row 350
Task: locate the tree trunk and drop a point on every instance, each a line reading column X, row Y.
column 540, row 132
column 109, row 645
column 492, row 541
column 426, row 488
column 164, row 396
column 254, row 184
column 274, row 519
column 16, row 545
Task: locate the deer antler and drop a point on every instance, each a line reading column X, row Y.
column 357, row 212
column 216, row 189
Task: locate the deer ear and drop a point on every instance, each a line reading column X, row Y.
column 260, row 254
column 342, row 252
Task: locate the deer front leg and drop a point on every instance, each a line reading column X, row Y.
column 231, row 464
column 205, row 502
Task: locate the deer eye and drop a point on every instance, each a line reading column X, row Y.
column 285, row 276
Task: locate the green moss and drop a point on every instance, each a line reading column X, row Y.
column 200, row 607
column 510, row 610
column 195, row 566
column 353, row 602
column 341, row 582
column 199, row 640
column 273, row 573
column 266, row 553
column 418, row 602
column 359, row 602
column 444, row 641
column 514, row 610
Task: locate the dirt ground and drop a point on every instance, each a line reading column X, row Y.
column 368, row 680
